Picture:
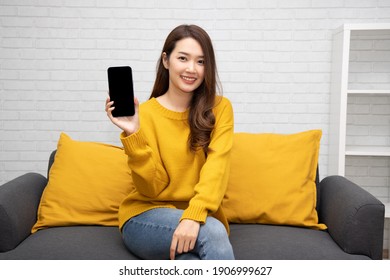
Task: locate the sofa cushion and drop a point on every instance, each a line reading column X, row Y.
column 72, row 243
column 272, row 179
column 275, row 242
column 87, row 182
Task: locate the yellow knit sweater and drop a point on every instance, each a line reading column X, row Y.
column 167, row 174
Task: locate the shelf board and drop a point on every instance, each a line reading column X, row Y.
column 362, row 27
column 369, row 91
column 365, row 26
column 367, row 151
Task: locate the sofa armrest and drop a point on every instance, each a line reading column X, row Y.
column 19, row 201
column 354, row 217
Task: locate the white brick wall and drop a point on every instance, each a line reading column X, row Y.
column 274, row 61
column 368, row 121
column 370, row 60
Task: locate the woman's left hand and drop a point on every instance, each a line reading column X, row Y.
column 184, row 237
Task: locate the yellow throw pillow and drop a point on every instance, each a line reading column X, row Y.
column 272, row 179
column 87, row 182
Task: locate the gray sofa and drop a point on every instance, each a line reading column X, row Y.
column 355, row 221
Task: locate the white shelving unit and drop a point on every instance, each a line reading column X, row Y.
column 346, row 90
column 340, row 92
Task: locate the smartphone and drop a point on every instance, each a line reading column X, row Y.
column 121, row 90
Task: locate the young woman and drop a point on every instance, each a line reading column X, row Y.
column 178, row 145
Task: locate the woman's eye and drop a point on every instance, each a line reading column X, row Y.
column 201, row 62
column 182, row 58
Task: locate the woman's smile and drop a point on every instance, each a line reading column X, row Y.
column 188, row 80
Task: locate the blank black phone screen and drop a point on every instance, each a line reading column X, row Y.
column 121, row 90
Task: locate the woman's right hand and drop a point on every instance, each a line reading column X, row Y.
column 128, row 124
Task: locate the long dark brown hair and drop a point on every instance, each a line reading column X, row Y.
column 201, row 118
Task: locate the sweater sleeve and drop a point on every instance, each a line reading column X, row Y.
column 149, row 176
column 214, row 174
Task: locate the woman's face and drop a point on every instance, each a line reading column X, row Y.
column 185, row 66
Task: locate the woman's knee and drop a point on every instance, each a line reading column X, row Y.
column 214, row 229
column 148, row 238
column 213, row 241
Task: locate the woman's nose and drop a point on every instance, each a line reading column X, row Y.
column 190, row 67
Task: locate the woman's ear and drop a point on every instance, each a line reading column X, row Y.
column 165, row 60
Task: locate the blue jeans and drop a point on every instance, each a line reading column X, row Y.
column 149, row 236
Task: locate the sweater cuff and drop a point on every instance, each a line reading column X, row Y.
column 196, row 213
column 133, row 142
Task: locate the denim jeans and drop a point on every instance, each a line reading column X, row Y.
column 149, row 236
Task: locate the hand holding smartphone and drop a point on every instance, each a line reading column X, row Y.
column 121, row 90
